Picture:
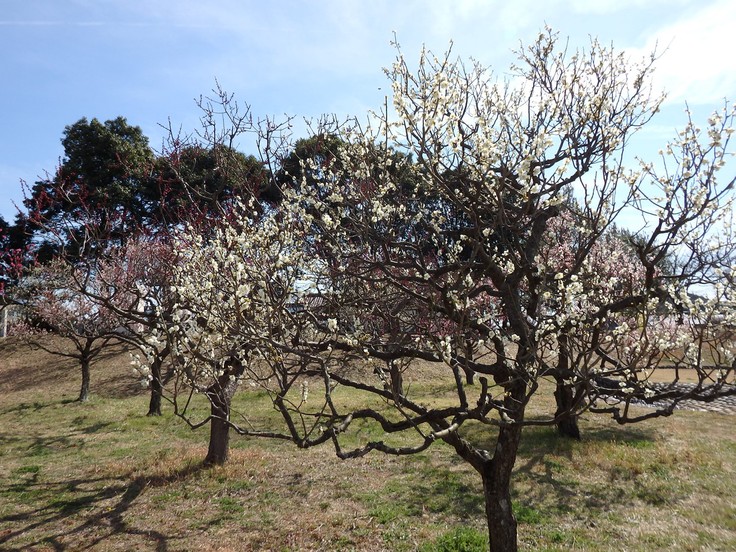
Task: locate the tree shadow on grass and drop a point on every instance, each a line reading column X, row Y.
column 539, row 442
column 35, row 406
column 36, row 446
column 65, row 499
column 546, row 466
column 545, row 472
column 425, row 488
column 429, row 488
column 119, row 386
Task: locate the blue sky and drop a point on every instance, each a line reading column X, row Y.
column 148, row 60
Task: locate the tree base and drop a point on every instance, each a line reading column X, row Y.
column 569, row 428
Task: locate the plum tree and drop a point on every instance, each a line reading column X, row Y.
column 482, row 247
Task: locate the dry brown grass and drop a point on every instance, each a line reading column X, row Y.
column 102, row 476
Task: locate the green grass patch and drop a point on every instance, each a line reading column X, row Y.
column 528, row 514
column 386, row 513
column 461, row 539
column 32, row 469
column 230, row 505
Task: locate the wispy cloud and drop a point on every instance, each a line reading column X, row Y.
column 52, row 23
column 697, row 64
column 603, row 7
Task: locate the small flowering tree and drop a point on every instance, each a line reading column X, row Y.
column 53, row 303
column 223, row 327
column 133, row 281
column 480, row 245
column 106, row 283
column 600, row 272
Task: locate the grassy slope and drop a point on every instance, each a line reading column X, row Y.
column 102, row 476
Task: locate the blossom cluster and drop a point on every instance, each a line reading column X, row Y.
column 474, row 225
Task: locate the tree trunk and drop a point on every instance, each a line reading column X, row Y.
column 154, row 404
column 220, row 395
column 496, row 474
column 84, row 391
column 397, row 380
column 496, row 470
column 469, row 376
column 567, row 420
column 469, row 373
column 219, row 447
column 85, row 359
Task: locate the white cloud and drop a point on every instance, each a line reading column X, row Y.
column 697, row 63
column 602, row 7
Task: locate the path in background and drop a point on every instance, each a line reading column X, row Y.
column 724, row 405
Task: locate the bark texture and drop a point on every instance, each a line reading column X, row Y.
column 221, row 394
column 496, row 474
column 567, row 421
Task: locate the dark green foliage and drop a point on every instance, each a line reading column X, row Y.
column 197, row 179
column 14, row 245
column 665, row 262
column 99, row 190
column 307, row 164
column 106, row 161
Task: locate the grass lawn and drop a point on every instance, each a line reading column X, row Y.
column 103, row 476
